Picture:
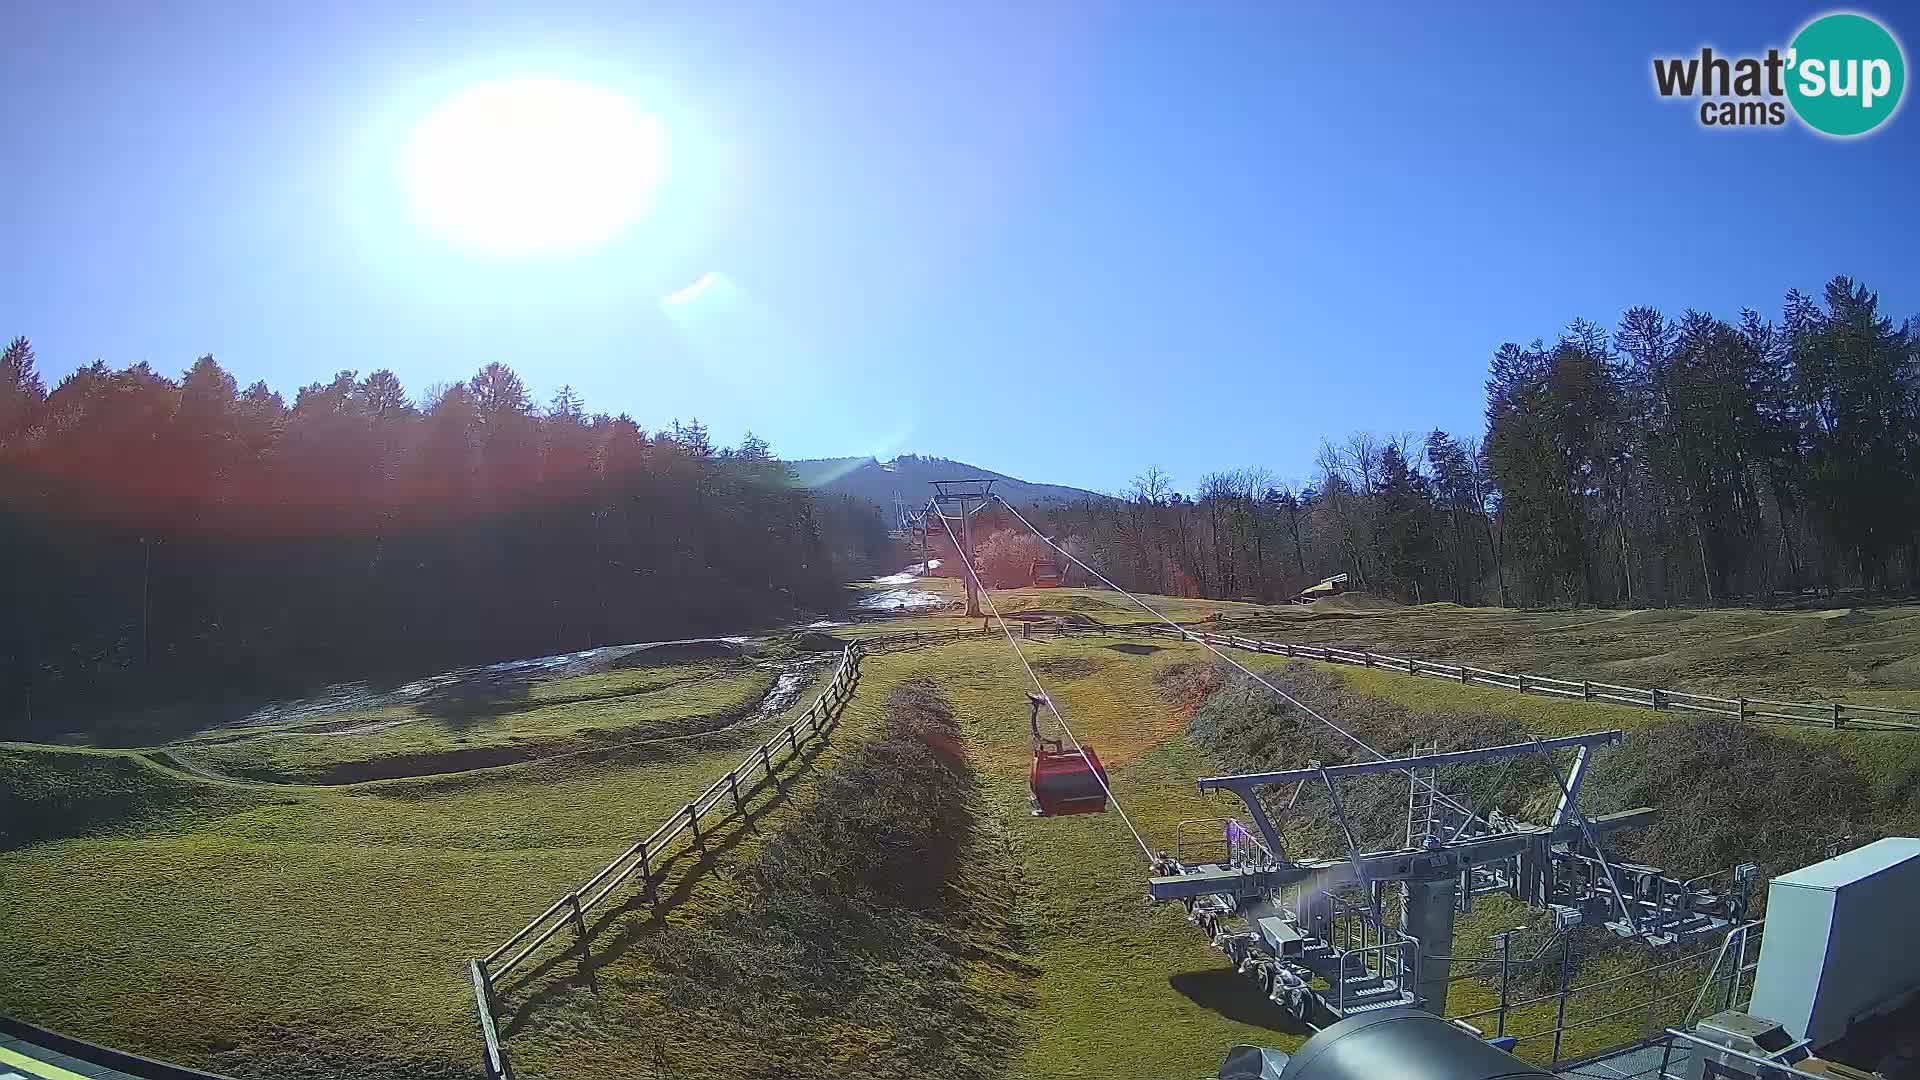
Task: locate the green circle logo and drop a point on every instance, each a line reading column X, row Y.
column 1845, row 74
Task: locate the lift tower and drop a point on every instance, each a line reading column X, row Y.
column 966, row 498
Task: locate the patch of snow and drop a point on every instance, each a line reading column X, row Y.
column 785, row 689
column 902, row 600
column 907, row 576
column 825, row 624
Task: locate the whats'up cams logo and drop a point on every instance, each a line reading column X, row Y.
column 1842, row 76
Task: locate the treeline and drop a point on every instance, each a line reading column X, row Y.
column 161, row 535
column 1687, row 460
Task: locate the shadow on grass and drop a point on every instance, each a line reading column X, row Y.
column 1236, row 997
column 466, row 703
column 717, row 839
column 1137, row 650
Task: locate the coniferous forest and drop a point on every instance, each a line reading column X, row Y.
column 1670, row 460
column 187, row 539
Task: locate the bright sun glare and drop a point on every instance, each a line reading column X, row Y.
column 535, row 166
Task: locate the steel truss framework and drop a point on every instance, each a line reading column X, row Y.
column 1311, row 931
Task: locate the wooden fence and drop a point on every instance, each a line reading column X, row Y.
column 726, row 796
column 1827, row 714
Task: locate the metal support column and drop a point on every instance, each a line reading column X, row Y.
column 966, row 557
column 1428, row 917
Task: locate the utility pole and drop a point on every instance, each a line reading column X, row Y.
column 969, row 497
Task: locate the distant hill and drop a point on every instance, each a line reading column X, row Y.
column 908, row 476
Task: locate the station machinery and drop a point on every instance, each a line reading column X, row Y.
column 1311, row 935
column 1402, row 1043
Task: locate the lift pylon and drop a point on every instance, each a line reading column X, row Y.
column 964, row 498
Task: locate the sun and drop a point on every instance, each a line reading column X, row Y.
column 535, row 167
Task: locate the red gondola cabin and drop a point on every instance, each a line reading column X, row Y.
column 1063, row 781
column 1045, row 574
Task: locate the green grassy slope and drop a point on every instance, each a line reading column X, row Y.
column 310, row 931
column 1122, row 989
column 1111, row 987
column 282, row 930
column 1889, row 760
column 869, row 930
column 541, row 720
column 47, row 793
column 1867, row 655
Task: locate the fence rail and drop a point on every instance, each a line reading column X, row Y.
column 569, row 912
column 1835, row 714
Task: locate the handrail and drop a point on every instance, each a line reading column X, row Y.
column 1716, row 1048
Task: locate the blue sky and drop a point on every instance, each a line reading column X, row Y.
column 1064, row 242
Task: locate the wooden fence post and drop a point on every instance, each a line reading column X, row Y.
column 483, row 1000
column 693, row 818
column 733, row 785
column 765, row 764
column 646, row 875
column 1586, row 690
column 1836, row 714
column 1366, row 658
column 1654, row 699
column 580, row 938
column 1521, row 680
column 1464, row 677
column 1410, row 670
column 1743, row 709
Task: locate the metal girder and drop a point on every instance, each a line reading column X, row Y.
column 1353, row 849
column 1403, row 865
column 1248, row 785
column 1570, row 791
column 1239, row 781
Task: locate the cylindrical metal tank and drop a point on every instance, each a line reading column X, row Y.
column 1403, row 1044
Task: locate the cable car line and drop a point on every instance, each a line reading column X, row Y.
column 1249, row 672
column 986, row 595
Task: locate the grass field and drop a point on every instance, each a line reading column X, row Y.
column 1870, row 655
column 311, row 931
column 1865, row 655
column 480, row 729
column 811, row 981
column 299, row 930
